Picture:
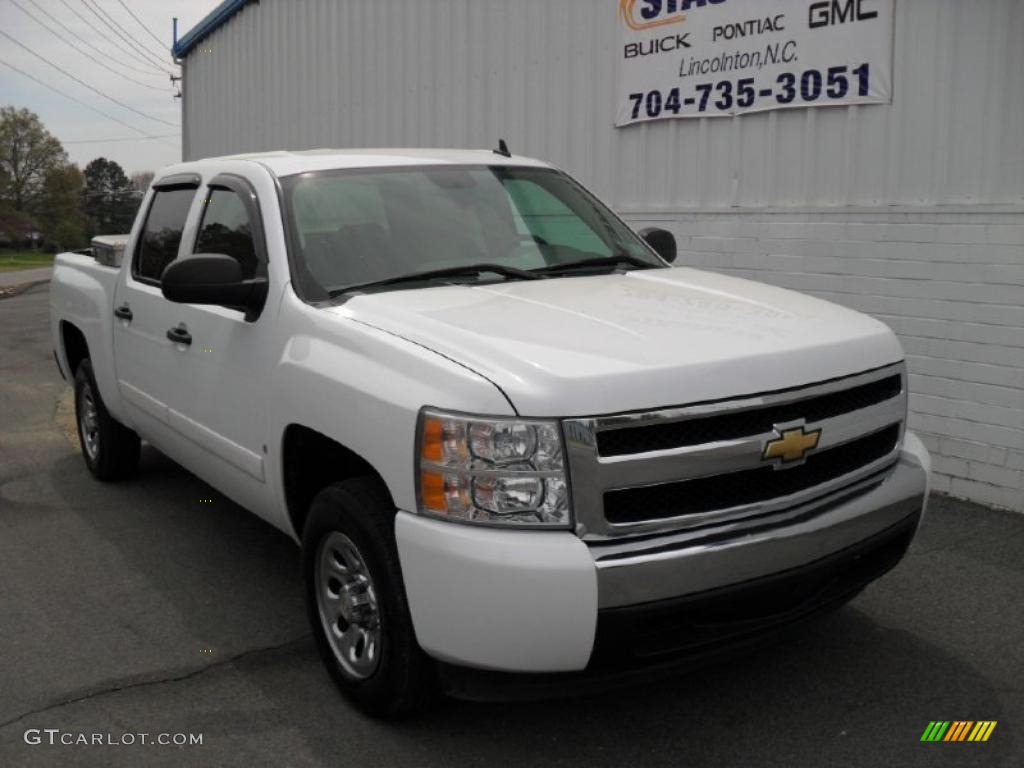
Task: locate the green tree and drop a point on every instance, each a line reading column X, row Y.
column 61, row 220
column 110, row 198
column 15, row 226
column 27, row 154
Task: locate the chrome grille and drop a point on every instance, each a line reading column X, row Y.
column 692, row 466
column 728, row 426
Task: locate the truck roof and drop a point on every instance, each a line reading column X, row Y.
column 288, row 163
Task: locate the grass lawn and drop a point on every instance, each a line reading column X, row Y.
column 13, row 260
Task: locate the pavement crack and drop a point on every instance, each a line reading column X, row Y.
column 100, row 692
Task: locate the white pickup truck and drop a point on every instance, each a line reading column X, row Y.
column 520, row 451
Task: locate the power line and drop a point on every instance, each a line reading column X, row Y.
column 82, row 82
column 101, row 13
column 132, row 14
column 45, row 26
column 97, row 10
column 78, row 101
column 121, row 46
column 105, row 54
column 108, row 21
column 125, row 138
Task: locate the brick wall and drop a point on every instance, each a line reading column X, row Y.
column 950, row 284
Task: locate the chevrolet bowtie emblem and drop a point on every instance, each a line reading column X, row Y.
column 791, row 445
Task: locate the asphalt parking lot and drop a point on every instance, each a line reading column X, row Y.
column 142, row 608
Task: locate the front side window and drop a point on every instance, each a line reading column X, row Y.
column 355, row 227
column 227, row 229
column 161, row 233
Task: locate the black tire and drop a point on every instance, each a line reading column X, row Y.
column 359, row 511
column 110, row 449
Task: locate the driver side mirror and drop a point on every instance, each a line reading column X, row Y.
column 213, row 278
column 662, row 241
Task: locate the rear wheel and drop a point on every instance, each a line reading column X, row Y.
column 356, row 600
column 110, row 449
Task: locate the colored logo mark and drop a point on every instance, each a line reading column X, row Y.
column 791, row 445
column 958, row 730
column 649, row 14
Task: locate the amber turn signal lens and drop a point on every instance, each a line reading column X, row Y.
column 432, row 448
column 432, row 491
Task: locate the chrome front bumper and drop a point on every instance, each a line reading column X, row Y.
column 536, row 601
column 632, row 572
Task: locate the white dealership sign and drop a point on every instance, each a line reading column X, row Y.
column 697, row 58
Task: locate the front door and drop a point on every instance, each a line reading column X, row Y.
column 220, row 379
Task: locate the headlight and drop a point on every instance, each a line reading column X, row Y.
column 496, row 471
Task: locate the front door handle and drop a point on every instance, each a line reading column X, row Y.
column 179, row 335
column 124, row 313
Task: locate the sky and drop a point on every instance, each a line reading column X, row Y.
column 92, row 26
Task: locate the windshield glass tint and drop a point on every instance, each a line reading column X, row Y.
column 356, row 227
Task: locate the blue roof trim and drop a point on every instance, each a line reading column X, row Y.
column 213, row 21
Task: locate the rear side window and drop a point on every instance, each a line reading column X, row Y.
column 226, row 228
column 161, row 234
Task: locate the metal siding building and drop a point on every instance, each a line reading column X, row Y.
column 912, row 211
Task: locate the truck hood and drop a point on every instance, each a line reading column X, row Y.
column 585, row 346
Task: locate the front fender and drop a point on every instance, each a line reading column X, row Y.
column 364, row 388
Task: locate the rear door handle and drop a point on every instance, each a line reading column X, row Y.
column 124, row 313
column 179, row 335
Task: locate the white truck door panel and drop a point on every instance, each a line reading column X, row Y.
column 143, row 353
column 217, row 398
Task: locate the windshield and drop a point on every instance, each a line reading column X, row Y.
column 352, row 228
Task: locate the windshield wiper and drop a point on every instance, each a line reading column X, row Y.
column 597, row 261
column 467, row 270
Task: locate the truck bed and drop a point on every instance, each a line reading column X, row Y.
column 82, row 293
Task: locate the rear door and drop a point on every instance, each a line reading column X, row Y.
column 143, row 355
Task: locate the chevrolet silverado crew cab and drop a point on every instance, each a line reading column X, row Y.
column 519, row 449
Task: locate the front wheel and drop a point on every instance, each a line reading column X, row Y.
column 356, row 599
column 110, row 449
